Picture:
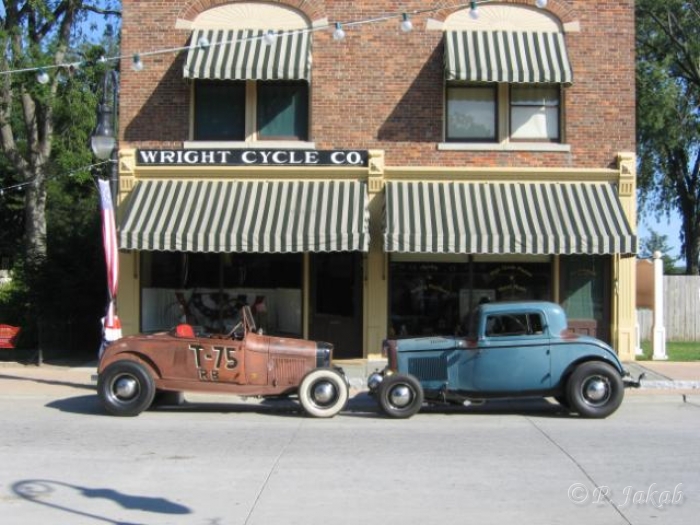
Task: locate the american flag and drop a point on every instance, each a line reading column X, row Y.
column 112, row 326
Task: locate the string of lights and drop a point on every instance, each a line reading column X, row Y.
column 339, row 33
column 405, row 25
column 21, row 185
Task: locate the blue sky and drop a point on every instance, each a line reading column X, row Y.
column 670, row 227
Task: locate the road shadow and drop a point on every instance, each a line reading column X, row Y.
column 360, row 405
column 42, row 491
column 364, row 405
column 53, row 382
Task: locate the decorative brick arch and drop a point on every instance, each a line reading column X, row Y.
column 313, row 9
column 559, row 8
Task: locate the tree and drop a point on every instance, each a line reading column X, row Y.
column 657, row 242
column 668, row 117
column 35, row 33
column 44, row 138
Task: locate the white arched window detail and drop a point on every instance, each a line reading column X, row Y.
column 250, row 67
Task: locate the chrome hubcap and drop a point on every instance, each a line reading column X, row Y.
column 400, row 396
column 596, row 390
column 324, row 393
column 125, row 388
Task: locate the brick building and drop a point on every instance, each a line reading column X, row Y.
column 382, row 183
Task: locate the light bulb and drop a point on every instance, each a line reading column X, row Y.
column 406, row 24
column 473, row 12
column 137, row 65
column 42, row 77
column 541, row 3
column 270, row 37
column 203, row 42
column 338, row 34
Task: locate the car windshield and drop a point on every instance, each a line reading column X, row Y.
column 249, row 320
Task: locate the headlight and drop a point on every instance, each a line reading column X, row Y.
column 323, row 354
column 374, row 380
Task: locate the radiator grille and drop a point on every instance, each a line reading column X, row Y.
column 428, row 368
column 288, row 371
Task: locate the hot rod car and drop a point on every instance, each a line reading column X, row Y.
column 244, row 362
column 513, row 349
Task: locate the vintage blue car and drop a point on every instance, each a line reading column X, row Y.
column 513, row 349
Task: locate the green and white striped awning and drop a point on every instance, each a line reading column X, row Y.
column 507, row 56
column 244, row 55
column 506, row 218
column 246, row 216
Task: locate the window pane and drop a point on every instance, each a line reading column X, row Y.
column 471, row 113
column 534, row 123
column 283, row 110
column 534, row 112
column 219, row 112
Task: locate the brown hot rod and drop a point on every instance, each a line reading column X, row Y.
column 244, row 362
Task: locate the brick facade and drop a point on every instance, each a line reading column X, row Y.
column 383, row 89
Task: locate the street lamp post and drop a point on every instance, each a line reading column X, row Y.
column 104, row 138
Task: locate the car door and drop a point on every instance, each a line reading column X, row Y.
column 513, row 354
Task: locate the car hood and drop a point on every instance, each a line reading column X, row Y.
column 429, row 343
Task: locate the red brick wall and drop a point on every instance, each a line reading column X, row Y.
column 383, row 89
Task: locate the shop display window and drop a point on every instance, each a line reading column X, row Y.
column 436, row 298
column 206, row 290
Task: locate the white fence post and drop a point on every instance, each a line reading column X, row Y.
column 659, row 331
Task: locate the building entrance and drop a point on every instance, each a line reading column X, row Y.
column 336, row 302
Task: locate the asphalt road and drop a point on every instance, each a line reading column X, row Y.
column 62, row 461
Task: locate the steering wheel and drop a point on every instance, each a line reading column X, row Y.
column 237, row 331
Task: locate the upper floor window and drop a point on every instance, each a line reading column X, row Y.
column 504, row 76
column 498, row 113
column 250, row 82
column 250, row 110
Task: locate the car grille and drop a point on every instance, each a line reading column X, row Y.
column 288, row 371
column 428, row 368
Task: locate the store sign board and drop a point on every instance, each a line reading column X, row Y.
column 250, row 157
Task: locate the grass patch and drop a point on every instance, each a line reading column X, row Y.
column 676, row 351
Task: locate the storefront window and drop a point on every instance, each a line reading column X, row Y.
column 206, row 290
column 435, row 298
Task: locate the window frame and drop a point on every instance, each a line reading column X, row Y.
column 464, row 86
column 512, row 104
column 504, row 106
column 251, row 101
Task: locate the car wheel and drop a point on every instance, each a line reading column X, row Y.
column 126, row 388
column 400, row 396
column 595, row 389
column 323, row 393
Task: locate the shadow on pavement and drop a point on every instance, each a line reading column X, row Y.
column 47, row 381
column 41, row 491
column 361, row 405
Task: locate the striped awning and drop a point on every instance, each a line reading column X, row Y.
column 507, row 56
column 506, row 218
column 246, row 216
column 244, row 55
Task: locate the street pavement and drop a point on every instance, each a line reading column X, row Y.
column 219, row 460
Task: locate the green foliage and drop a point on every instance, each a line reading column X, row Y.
column 657, row 242
column 59, row 297
column 668, row 121
column 676, row 351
